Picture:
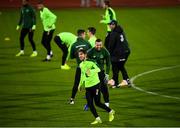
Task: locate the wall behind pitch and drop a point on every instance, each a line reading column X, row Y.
column 76, row 3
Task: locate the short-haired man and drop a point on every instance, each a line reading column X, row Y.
column 102, row 57
column 119, row 50
column 107, row 17
column 28, row 22
column 48, row 20
column 90, row 80
column 80, row 43
column 91, row 34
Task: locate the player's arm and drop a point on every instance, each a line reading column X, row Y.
column 112, row 41
column 94, row 69
column 20, row 21
column 33, row 18
column 108, row 61
column 106, row 18
column 72, row 52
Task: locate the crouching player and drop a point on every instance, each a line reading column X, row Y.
column 90, row 80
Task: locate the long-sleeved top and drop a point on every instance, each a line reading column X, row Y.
column 109, row 15
column 101, row 57
column 89, row 79
column 118, row 44
column 27, row 16
column 80, row 43
column 48, row 19
column 68, row 39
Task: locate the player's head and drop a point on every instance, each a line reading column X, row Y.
column 106, row 4
column 112, row 24
column 91, row 31
column 40, row 4
column 98, row 44
column 82, row 54
column 25, row 2
column 81, row 33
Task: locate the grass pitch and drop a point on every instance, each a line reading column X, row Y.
column 33, row 93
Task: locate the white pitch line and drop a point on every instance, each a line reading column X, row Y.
column 151, row 71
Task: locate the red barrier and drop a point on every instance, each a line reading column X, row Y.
column 76, row 3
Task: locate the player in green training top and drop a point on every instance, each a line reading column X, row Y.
column 102, row 57
column 48, row 20
column 91, row 34
column 109, row 15
column 64, row 40
column 80, row 43
column 28, row 22
column 90, row 80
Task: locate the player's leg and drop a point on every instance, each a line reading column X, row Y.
column 49, row 38
column 30, row 36
column 63, row 47
column 97, row 98
column 124, row 73
column 76, row 84
column 24, row 32
column 104, row 88
column 44, row 43
column 89, row 97
column 115, row 70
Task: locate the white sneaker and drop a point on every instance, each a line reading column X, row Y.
column 97, row 121
column 20, row 53
column 107, row 104
column 123, row 83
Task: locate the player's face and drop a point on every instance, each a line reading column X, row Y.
column 98, row 46
column 82, row 56
column 112, row 26
column 39, row 6
column 24, row 2
column 84, row 35
column 104, row 5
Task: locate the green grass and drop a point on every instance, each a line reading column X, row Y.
column 33, row 93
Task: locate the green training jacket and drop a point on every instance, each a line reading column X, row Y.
column 27, row 17
column 48, row 19
column 101, row 57
column 68, row 39
column 109, row 15
column 92, row 79
column 80, row 43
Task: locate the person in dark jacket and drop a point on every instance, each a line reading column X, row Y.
column 119, row 51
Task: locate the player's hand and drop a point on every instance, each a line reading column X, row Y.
column 79, row 88
column 33, row 27
column 101, row 21
column 88, row 72
column 48, row 32
column 106, row 78
column 17, row 27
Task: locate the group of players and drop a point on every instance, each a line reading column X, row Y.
column 90, row 55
